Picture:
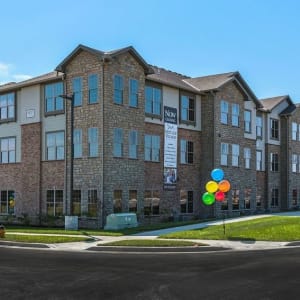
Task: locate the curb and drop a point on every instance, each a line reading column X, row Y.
column 26, row 245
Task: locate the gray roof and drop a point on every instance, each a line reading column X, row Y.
column 170, row 78
column 32, row 81
column 105, row 56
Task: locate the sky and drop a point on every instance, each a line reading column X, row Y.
column 258, row 38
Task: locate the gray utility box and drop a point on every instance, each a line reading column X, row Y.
column 120, row 221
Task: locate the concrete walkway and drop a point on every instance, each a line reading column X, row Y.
column 234, row 245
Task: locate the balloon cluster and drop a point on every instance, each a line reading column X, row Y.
column 216, row 188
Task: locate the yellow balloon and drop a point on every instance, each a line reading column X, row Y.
column 211, row 186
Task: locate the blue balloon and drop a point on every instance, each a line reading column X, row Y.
column 217, row 174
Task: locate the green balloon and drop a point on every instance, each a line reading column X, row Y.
column 208, row 198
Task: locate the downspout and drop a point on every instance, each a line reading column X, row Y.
column 287, row 162
column 66, row 163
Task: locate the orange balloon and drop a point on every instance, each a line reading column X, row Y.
column 224, row 186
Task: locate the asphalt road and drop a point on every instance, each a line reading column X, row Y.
column 46, row 274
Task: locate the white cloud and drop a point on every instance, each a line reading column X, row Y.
column 7, row 74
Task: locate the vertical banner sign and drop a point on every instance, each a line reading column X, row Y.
column 170, row 149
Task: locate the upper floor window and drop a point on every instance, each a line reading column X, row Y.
column 187, row 108
column 133, row 92
column 77, row 90
column 274, row 124
column 7, row 107
column 133, row 144
column 93, row 88
column 224, row 154
column 8, row 150
column 294, row 163
column 153, row 99
column 224, row 112
column 247, row 121
column 247, row 157
column 235, row 155
column 274, row 157
column 186, row 152
column 77, row 143
column 258, row 160
column 235, row 115
column 259, row 127
column 93, row 141
column 118, row 142
column 294, row 131
column 55, row 142
column 152, row 147
column 54, row 103
column 118, row 89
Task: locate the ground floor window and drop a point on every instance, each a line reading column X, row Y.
column 7, row 200
column 76, row 202
column 258, row 198
column 235, row 199
column 186, row 202
column 92, row 203
column 133, row 201
column 151, row 203
column 275, row 197
column 117, row 201
column 247, row 198
column 224, row 205
column 294, row 197
column 55, row 202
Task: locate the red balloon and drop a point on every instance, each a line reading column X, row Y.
column 220, row 196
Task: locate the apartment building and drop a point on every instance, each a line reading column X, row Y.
column 107, row 132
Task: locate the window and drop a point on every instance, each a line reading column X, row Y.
column 151, row 203
column 54, row 103
column 294, row 163
column 118, row 89
column 93, row 88
column 224, row 154
column 152, row 147
column 258, row 160
column 8, row 150
column 274, row 162
column 187, row 108
column 274, row 129
column 133, row 144
column 224, row 205
column 235, row 109
column 294, row 131
column 275, row 197
column 77, row 138
column 117, row 201
column 186, row 202
column 55, row 142
column 224, row 112
column 77, row 90
column 258, row 198
column 247, row 157
column 299, row 132
column 7, row 202
column 235, row 199
column 247, row 198
column 294, row 197
column 247, row 121
column 259, row 127
column 92, row 203
column 93, row 141
column 118, row 142
column 235, row 155
column 153, row 99
column 186, row 152
column 133, row 201
column 7, row 107
column 55, row 202
column 133, row 92
column 76, row 202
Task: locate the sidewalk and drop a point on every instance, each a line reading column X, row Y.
column 213, row 244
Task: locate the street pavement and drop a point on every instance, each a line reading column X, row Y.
column 214, row 244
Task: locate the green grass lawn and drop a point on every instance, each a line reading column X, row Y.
column 45, row 239
column 152, row 243
column 274, row 228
